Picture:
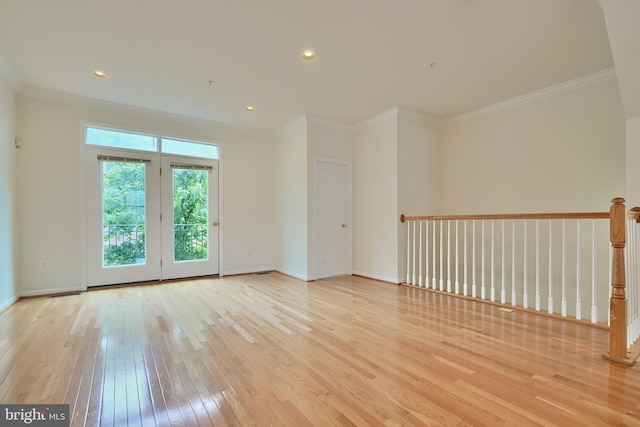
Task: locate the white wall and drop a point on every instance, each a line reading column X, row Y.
column 375, row 197
column 565, row 153
column 623, row 30
column 418, row 175
column 633, row 162
column 8, row 244
column 624, row 36
column 292, row 203
column 250, row 210
column 324, row 141
column 50, row 203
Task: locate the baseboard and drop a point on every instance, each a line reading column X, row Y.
column 6, row 304
column 47, row 292
column 377, row 277
column 248, row 271
column 294, row 275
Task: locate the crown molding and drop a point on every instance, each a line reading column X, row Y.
column 538, row 95
column 385, row 115
column 7, row 74
column 418, row 117
column 129, row 109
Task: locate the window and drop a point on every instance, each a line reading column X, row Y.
column 189, row 148
column 115, row 139
column 137, row 141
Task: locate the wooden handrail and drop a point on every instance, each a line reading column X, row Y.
column 567, row 215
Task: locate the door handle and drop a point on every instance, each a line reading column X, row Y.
column 214, row 223
column 344, row 225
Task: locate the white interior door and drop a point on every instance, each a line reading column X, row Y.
column 189, row 217
column 332, row 219
column 123, row 210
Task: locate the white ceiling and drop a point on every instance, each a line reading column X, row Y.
column 373, row 55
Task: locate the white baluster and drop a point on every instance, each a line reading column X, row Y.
column 525, row 294
column 483, row 288
column 633, row 284
column 448, row 255
column 609, row 283
column 413, row 276
column 594, row 303
column 564, row 272
column 627, row 276
column 578, row 296
column 465, row 286
column 514, row 296
column 473, row 260
column 441, row 260
column 550, row 300
column 537, row 265
column 420, row 282
column 408, row 252
column 503, row 292
column 457, row 283
column 426, row 247
column 493, row 268
column 434, row 271
column 630, row 282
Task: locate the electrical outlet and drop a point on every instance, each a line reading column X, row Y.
column 44, row 264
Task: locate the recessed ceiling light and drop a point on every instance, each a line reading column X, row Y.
column 99, row 74
column 250, row 108
column 308, row 55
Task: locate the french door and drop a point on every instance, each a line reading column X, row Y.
column 150, row 216
column 189, row 217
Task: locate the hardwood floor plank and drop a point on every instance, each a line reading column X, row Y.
column 260, row 350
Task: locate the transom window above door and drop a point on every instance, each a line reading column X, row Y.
column 152, row 143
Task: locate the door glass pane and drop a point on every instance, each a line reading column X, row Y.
column 123, row 213
column 190, row 214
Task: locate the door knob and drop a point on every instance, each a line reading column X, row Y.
column 214, row 223
column 344, row 225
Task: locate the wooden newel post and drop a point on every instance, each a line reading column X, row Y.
column 618, row 303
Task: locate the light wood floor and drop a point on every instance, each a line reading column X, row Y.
column 270, row 350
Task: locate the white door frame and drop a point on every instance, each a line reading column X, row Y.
column 82, row 196
column 349, row 215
